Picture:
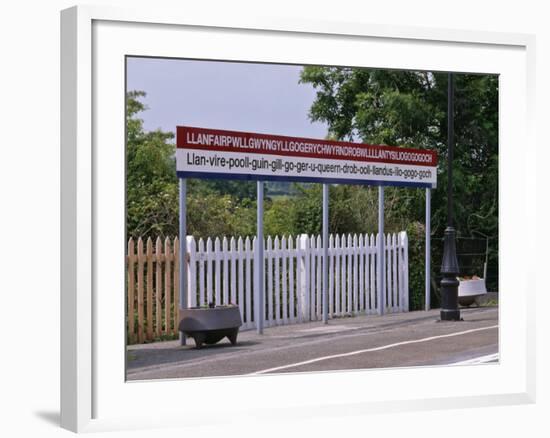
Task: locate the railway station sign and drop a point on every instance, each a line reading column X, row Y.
column 213, row 153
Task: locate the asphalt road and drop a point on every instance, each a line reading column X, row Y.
column 361, row 342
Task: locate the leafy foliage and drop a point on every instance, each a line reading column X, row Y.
column 409, row 108
column 152, row 194
column 215, row 207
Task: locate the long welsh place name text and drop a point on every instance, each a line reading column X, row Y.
column 283, row 166
column 290, row 146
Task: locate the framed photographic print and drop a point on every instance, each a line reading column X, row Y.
column 186, row 140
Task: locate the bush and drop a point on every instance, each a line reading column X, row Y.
column 416, row 236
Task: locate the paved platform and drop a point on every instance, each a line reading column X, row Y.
column 360, row 342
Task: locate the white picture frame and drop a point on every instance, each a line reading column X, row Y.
column 94, row 42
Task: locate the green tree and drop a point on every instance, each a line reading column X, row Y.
column 409, row 108
column 152, row 192
column 214, row 207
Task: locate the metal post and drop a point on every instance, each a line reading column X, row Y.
column 381, row 263
column 259, row 262
column 325, row 253
column 449, row 265
column 183, row 249
column 427, row 270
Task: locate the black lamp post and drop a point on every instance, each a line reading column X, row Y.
column 449, row 265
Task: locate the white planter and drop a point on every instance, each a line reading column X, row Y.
column 468, row 288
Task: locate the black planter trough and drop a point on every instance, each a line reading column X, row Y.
column 208, row 325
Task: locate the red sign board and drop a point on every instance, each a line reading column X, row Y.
column 232, row 154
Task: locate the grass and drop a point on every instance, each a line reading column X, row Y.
column 489, row 303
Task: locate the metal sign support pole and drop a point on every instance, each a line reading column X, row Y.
column 325, row 253
column 183, row 249
column 259, row 262
column 381, row 263
column 428, row 246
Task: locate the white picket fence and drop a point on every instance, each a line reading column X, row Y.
column 222, row 272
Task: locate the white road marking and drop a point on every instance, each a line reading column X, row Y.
column 368, row 350
column 477, row 360
column 327, row 329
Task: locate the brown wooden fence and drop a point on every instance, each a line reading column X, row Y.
column 153, row 285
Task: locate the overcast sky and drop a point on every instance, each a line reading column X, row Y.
column 262, row 98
